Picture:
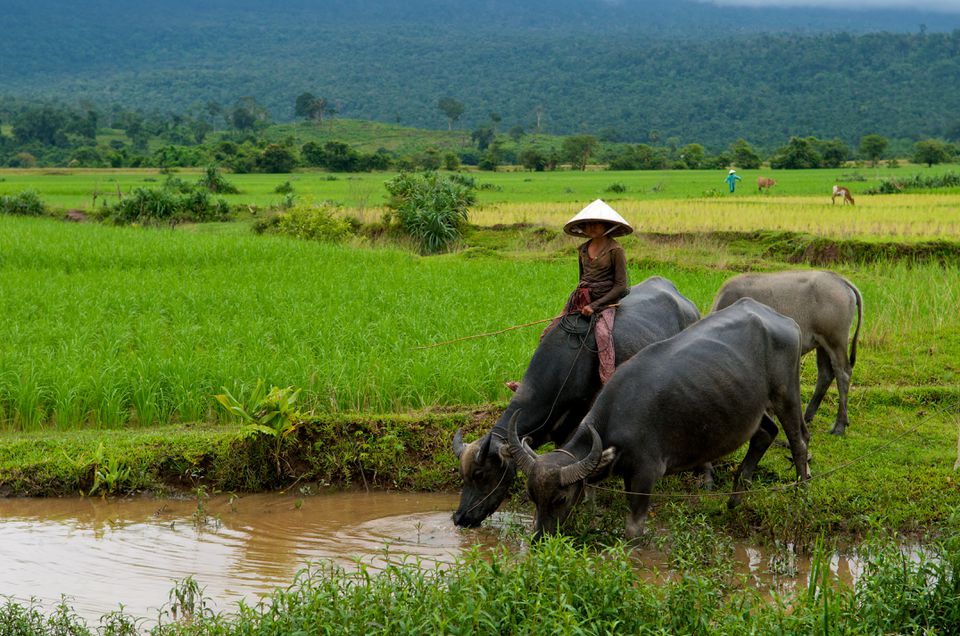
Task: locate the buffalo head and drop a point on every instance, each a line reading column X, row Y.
column 555, row 480
column 488, row 472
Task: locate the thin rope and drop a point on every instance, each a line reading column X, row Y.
column 794, row 484
column 500, row 331
column 483, row 335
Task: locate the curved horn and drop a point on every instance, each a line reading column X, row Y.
column 585, row 467
column 458, row 444
column 522, row 454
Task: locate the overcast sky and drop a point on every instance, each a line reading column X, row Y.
column 949, row 6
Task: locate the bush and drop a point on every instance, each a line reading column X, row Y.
column 312, row 224
column 213, row 181
column 153, row 206
column 26, row 203
column 431, row 208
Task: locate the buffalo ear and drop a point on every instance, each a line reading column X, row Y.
column 608, row 455
column 504, row 452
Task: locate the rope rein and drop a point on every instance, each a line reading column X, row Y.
column 794, row 484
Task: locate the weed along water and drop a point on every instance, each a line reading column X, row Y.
column 96, row 554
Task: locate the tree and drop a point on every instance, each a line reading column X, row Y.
column 744, row 156
column 930, row 151
column 873, row 146
column 310, row 106
column 276, row 159
column 577, row 149
column 482, row 136
column 43, row 124
column 692, row 156
column 833, row 153
column 799, row 153
column 532, row 159
column 247, row 114
column 495, row 120
column 452, row 109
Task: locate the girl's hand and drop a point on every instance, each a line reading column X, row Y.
column 587, row 310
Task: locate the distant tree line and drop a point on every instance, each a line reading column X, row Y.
column 236, row 138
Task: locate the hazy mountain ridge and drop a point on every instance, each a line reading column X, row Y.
column 692, row 71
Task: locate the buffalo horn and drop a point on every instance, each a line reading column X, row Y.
column 522, row 453
column 585, row 467
column 458, row 444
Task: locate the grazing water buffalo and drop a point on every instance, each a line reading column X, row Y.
column 824, row 305
column 765, row 183
column 558, row 388
column 676, row 405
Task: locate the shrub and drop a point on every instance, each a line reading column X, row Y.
column 430, row 207
column 616, row 187
column 26, row 203
column 213, row 181
column 312, row 224
column 152, row 206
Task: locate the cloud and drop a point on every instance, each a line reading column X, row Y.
column 945, row 6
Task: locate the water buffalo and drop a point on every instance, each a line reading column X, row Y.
column 824, row 305
column 677, row 404
column 765, row 183
column 558, row 388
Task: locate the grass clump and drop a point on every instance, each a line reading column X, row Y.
column 26, row 203
column 431, row 208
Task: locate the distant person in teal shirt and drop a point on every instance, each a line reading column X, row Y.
column 732, row 179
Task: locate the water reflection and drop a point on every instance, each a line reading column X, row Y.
column 101, row 553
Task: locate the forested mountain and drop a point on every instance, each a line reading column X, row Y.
column 631, row 70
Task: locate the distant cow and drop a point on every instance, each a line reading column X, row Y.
column 841, row 191
column 679, row 403
column 765, row 183
column 824, row 305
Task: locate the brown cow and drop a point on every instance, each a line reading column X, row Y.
column 841, row 191
column 765, row 183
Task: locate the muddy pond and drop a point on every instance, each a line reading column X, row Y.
column 100, row 553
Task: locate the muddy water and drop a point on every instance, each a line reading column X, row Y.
column 100, row 553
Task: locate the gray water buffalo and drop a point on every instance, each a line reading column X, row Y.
column 824, row 305
column 678, row 404
column 558, row 388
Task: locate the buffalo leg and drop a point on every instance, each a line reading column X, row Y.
column 824, row 378
column 759, row 444
column 639, row 488
column 842, row 370
column 787, row 409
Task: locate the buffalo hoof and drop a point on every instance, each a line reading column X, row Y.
column 839, row 428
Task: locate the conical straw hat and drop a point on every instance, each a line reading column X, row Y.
column 598, row 211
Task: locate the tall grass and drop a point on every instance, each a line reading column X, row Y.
column 109, row 326
column 555, row 588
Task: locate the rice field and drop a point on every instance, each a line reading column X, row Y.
column 107, row 326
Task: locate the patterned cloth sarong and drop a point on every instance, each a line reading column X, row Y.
column 602, row 329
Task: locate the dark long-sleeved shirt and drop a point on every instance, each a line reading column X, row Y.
column 606, row 275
